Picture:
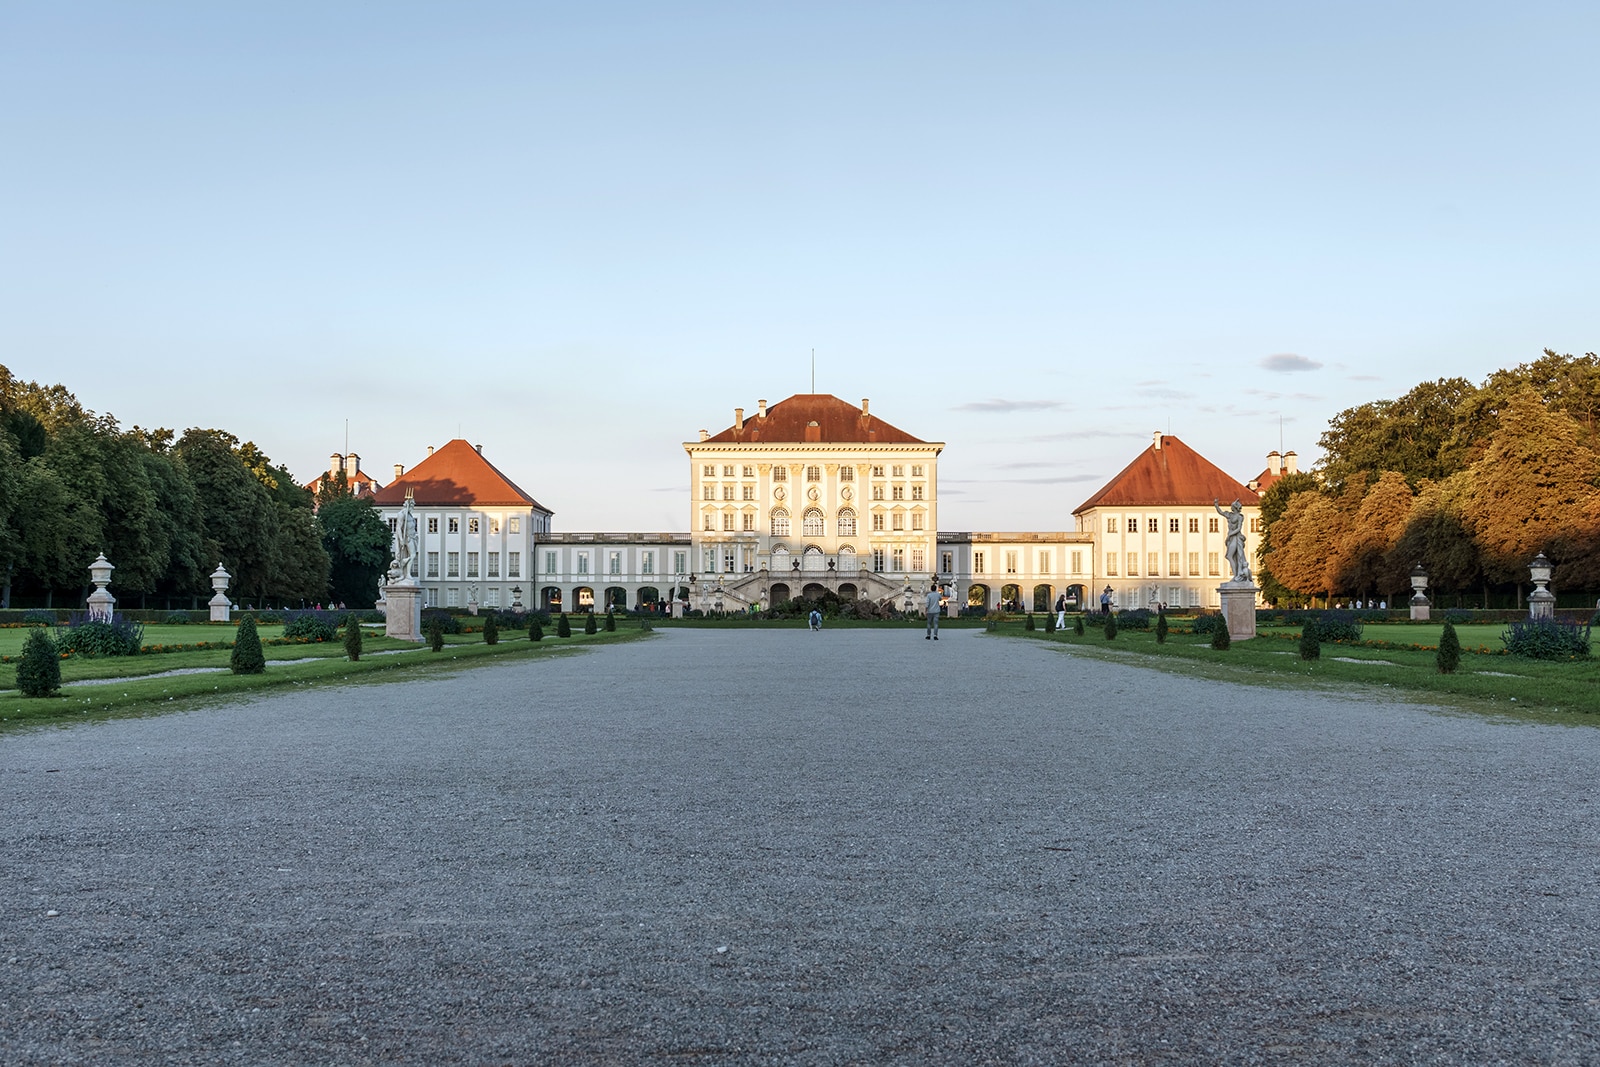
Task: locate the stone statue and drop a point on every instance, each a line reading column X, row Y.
column 1237, row 560
column 405, row 541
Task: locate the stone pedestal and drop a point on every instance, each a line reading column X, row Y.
column 1239, row 609
column 1420, row 609
column 403, row 615
column 221, row 606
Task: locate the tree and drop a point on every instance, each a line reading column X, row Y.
column 1306, row 539
column 589, row 624
column 1449, row 654
column 357, row 542
column 39, row 669
column 1416, row 435
column 1367, row 553
column 247, row 657
column 352, row 637
column 1437, row 536
column 235, row 508
column 535, row 631
column 491, row 630
column 1273, row 504
column 563, row 626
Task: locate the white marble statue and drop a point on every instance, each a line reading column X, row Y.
column 1238, row 562
column 405, row 541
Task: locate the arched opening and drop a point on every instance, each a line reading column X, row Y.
column 1011, row 597
column 847, row 522
column 550, row 598
column 813, row 559
column 813, row 591
column 1043, row 598
column 778, row 594
column 847, row 591
column 978, row 596
column 780, row 522
column 847, row 560
column 780, row 558
column 811, row 524
column 1075, row 594
column 582, row 599
column 648, row 597
column 616, row 598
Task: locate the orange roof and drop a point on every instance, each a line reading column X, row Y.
column 360, row 483
column 1172, row 473
column 456, row 475
column 838, row 422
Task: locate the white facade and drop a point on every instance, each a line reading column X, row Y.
column 1171, row 555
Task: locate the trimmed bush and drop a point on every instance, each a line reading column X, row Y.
column 1547, row 639
column 535, row 631
column 83, row 637
column 1220, row 638
column 39, row 617
column 1310, row 643
column 491, row 630
column 1161, row 628
column 589, row 626
column 564, row 626
column 1029, row 624
column 611, row 622
column 1134, row 619
column 39, row 669
column 1335, row 626
column 1111, row 627
column 309, row 626
column 1077, row 626
column 247, row 657
column 352, row 638
column 645, row 626
column 1049, row 623
column 448, row 623
column 1449, row 655
column 177, row 618
column 435, row 634
column 1208, row 623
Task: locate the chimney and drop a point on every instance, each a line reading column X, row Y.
column 813, row 431
column 478, row 449
column 1274, row 463
column 1157, row 443
column 738, row 418
column 430, row 450
column 352, row 464
column 704, row 435
column 1291, row 463
column 864, row 406
column 335, row 464
column 399, row 471
column 761, row 408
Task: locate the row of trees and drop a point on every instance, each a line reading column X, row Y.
column 1470, row 481
column 165, row 510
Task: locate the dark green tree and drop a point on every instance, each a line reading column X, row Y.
column 247, row 657
column 352, row 637
column 1310, row 643
column 611, row 622
column 1029, row 625
column 563, row 626
column 1220, row 638
column 39, row 668
column 589, row 626
column 535, row 631
column 357, row 541
column 1162, row 627
column 1111, row 627
column 491, row 630
column 435, row 634
column 1449, row 654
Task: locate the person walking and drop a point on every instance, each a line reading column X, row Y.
column 1105, row 601
column 1061, row 612
column 815, row 619
column 935, row 594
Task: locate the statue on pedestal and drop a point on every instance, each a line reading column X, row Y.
column 405, row 542
column 1238, row 562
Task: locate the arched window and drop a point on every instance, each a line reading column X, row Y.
column 811, row 523
column 847, row 522
column 780, row 522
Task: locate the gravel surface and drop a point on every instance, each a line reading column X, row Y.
column 854, row 846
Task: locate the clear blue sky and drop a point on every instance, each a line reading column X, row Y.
column 578, row 233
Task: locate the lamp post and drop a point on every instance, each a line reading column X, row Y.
column 1420, row 607
column 1541, row 602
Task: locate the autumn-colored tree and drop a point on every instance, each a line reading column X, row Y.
column 1308, row 535
column 1273, row 503
column 1437, row 537
column 1416, row 434
column 1367, row 557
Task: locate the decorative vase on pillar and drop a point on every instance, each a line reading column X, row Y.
column 101, row 603
column 1541, row 602
column 221, row 606
column 1420, row 607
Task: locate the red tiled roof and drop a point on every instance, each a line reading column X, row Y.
column 838, row 422
column 1171, row 474
column 1264, row 480
column 456, row 475
column 360, row 483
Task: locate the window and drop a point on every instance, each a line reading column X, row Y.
column 1132, row 525
column 748, row 491
column 917, row 559
column 897, row 559
column 1211, row 526
column 1044, row 563
column 916, row 520
column 947, row 562
column 877, row 559
column 847, row 523
column 708, row 560
column 847, row 474
column 614, row 563
column 1152, row 564
column 1255, row 525
column 1172, row 526
column 433, row 564
column 1211, row 564
column 516, row 524
column 899, row 521
column 877, row 520
column 813, row 474
column 1194, row 525
column 1011, row 562
column 747, row 471
column 1172, row 564
column 680, row 562
column 877, row 472
column 452, row 567
column 433, row 526
column 727, row 560
column 916, row 492
column 1194, row 562
column 977, row 563
column 727, row 522
column 1155, row 526
column 494, row 526
column 493, row 560
column 708, row 471
column 727, row 492
column 780, row 523
column 583, row 563
column 394, row 524
column 899, row 492
column 472, row 526
column 877, row 492
column 748, row 523
column 916, row 471
column 453, row 526
column 452, row 597
column 433, row 598
column 899, row 471
column 514, row 565
column 1111, row 525
column 1133, row 565
column 549, row 562
column 780, row 474
column 1111, row 564
column 647, row 563
column 727, row 470
column 708, row 492
column 491, row 598
column 811, row 523
column 711, row 522
column 1077, row 562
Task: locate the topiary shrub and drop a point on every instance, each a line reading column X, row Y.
column 1336, row 626
column 247, row 657
column 83, row 636
column 448, row 623
column 1134, row 619
column 352, row 638
column 177, row 618
column 1221, row 639
column 1111, row 627
column 645, row 625
column 1448, row 657
column 309, row 626
column 435, row 635
column 1049, row 623
column 1547, row 639
column 1162, row 628
column 39, row 617
column 564, row 626
column 39, row 669
column 1029, row 624
column 1208, row 623
column 491, row 630
column 589, row 624
column 1310, row 643
column 1077, row 626
column 535, row 631
column 611, row 623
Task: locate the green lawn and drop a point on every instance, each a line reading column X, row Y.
column 1484, row 635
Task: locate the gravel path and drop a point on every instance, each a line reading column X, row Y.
column 776, row 847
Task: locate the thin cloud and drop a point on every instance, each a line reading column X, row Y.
column 1003, row 407
column 1082, row 435
column 1365, row 378
column 1162, row 392
column 1288, row 363
column 1059, row 480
